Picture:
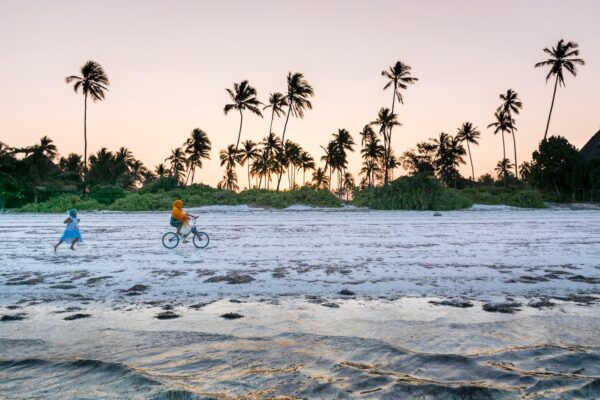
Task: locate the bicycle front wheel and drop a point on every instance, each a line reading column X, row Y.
column 201, row 240
column 170, row 240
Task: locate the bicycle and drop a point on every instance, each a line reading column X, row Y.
column 200, row 239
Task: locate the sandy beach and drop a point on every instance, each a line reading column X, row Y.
column 490, row 302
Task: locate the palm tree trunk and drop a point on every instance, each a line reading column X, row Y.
column 471, row 161
column 249, row 184
column 551, row 107
column 503, row 147
column 240, row 132
column 287, row 118
column 85, row 170
column 272, row 118
column 387, row 151
column 515, row 148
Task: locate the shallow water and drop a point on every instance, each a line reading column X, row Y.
column 299, row 337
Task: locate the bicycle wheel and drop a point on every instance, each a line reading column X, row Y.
column 170, row 240
column 201, row 240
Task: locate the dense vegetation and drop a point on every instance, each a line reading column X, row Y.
column 192, row 196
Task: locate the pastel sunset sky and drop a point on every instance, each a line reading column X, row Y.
column 169, row 63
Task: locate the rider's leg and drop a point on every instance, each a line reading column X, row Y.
column 73, row 244
column 57, row 244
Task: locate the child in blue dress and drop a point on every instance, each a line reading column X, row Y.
column 71, row 234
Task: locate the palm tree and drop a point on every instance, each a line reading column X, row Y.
column 366, row 134
column 386, row 121
column 229, row 157
column 243, row 97
column 93, row 82
column 270, row 144
column 178, row 161
column 330, row 159
column 276, row 103
column 503, row 169
column 307, row 162
column 561, row 58
column 47, row 147
column 161, row 171
column 229, row 180
column 198, row 147
column 469, row 134
column 247, row 154
column 399, row 77
column 348, row 184
column 343, row 142
column 320, row 179
column 503, row 123
column 512, row 104
column 371, row 153
column 298, row 93
column 449, row 154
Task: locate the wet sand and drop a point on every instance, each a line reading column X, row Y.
column 478, row 304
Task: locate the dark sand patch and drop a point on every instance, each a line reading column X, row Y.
column 507, row 308
column 76, row 316
column 541, row 303
column 452, row 303
column 232, row 316
column 13, row 317
column 167, row 315
column 346, row 292
column 136, row 290
column 231, row 279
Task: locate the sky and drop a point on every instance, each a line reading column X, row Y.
column 170, row 62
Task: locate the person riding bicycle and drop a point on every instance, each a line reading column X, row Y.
column 179, row 218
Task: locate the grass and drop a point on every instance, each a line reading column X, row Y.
column 505, row 196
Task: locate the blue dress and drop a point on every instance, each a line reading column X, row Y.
column 72, row 232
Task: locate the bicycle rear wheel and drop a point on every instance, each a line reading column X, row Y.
column 170, row 240
column 201, row 240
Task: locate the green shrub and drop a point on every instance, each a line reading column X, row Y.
column 107, row 194
column 144, row 202
column 527, row 199
column 162, row 184
column 412, row 193
column 63, row 203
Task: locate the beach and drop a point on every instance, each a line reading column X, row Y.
column 488, row 302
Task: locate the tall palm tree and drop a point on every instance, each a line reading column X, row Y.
column 366, row 134
column 197, row 147
column 93, row 82
column 503, row 124
column 243, row 97
column 247, row 154
column 298, row 93
column 386, row 120
column 511, row 104
column 398, row 77
column 343, row 142
column 561, row 58
column 469, row 134
column 276, row 103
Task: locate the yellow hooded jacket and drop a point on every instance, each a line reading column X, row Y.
column 178, row 212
